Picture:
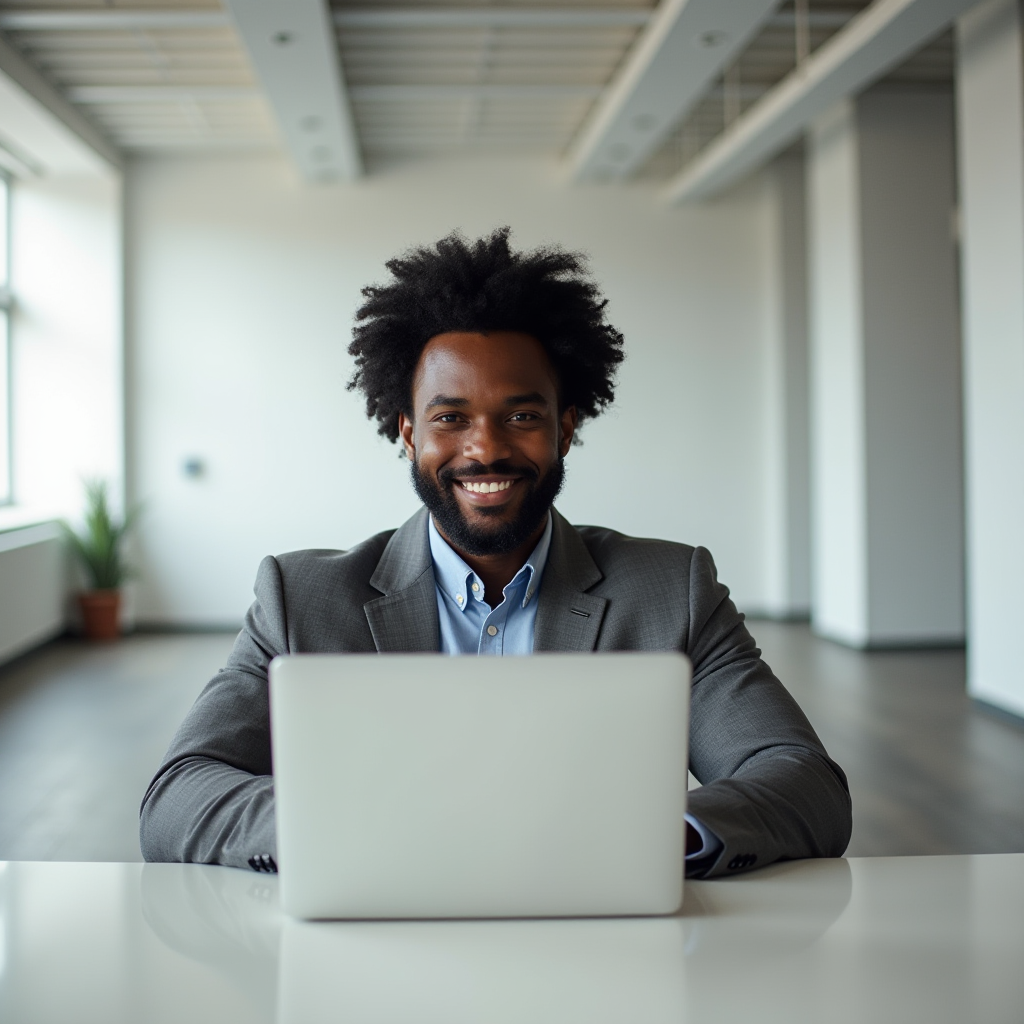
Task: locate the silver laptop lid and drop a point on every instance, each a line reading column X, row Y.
column 426, row 786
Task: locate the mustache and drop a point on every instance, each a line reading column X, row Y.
column 447, row 477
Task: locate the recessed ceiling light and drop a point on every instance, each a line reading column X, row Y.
column 712, row 38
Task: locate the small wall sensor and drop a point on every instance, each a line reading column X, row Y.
column 193, row 467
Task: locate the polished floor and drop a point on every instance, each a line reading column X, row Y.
column 82, row 729
column 929, row 771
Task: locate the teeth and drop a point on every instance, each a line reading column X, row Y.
column 477, row 488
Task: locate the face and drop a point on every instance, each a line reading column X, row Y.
column 486, row 437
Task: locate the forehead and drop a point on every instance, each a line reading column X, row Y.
column 467, row 364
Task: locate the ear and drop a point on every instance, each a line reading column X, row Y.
column 570, row 417
column 405, row 432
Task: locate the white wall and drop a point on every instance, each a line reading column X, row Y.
column 243, row 285
column 887, row 462
column 991, row 152
column 914, row 423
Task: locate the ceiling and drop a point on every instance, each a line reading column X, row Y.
column 152, row 88
column 413, row 89
column 769, row 58
column 175, row 75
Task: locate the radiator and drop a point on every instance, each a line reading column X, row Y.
column 33, row 585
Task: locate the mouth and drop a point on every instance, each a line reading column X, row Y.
column 487, row 491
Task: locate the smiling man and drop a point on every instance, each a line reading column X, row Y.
column 484, row 361
column 486, row 438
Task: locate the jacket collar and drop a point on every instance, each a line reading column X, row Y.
column 405, row 617
column 406, row 557
column 568, row 618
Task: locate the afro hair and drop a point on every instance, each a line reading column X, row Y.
column 483, row 286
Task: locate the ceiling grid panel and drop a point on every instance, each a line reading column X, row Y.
column 616, row 90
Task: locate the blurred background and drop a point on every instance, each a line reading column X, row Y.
column 807, row 218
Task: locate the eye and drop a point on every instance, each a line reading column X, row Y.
column 447, row 417
column 523, row 417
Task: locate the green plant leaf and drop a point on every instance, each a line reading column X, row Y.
column 99, row 546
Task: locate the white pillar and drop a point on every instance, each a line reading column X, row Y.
column 787, row 459
column 886, row 448
column 990, row 109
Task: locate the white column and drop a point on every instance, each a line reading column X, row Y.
column 886, row 451
column 838, row 504
column 786, row 456
column 990, row 109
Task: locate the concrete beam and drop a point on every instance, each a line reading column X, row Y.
column 873, row 43
column 684, row 47
column 293, row 49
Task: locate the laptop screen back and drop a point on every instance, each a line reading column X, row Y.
column 425, row 786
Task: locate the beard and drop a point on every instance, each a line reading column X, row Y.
column 503, row 537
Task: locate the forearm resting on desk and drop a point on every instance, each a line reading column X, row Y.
column 203, row 811
column 784, row 803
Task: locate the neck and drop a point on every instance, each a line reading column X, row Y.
column 497, row 571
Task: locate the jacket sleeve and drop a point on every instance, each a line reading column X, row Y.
column 212, row 799
column 769, row 790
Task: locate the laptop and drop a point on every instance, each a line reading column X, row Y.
column 423, row 786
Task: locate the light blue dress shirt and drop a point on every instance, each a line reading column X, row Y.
column 468, row 623
column 470, row 626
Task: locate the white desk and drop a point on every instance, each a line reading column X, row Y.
column 871, row 940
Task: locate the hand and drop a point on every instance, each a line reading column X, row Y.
column 694, row 843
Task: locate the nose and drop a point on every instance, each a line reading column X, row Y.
column 486, row 443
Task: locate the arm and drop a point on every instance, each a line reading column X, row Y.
column 212, row 800
column 769, row 790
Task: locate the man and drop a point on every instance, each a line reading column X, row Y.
column 484, row 362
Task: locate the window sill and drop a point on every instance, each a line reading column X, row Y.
column 21, row 526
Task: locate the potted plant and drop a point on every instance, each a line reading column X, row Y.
column 99, row 549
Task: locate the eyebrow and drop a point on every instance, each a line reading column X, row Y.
column 533, row 398
column 446, row 400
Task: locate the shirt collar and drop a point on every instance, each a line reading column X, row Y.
column 456, row 578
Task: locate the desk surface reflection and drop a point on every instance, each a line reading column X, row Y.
column 882, row 939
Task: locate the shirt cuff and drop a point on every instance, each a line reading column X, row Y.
column 710, row 843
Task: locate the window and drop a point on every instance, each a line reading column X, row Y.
column 5, row 335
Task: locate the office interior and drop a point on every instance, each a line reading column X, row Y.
column 808, row 220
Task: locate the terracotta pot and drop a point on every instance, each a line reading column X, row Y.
column 101, row 614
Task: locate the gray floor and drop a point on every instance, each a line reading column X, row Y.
column 82, row 728
column 929, row 771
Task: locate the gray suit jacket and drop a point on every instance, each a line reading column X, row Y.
column 769, row 789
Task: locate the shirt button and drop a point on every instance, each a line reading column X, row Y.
column 476, row 587
column 492, row 630
column 458, row 597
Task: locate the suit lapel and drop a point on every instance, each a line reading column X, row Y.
column 568, row 619
column 404, row 619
